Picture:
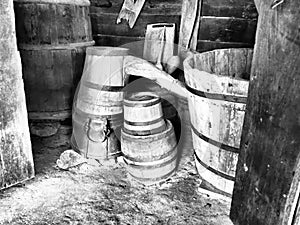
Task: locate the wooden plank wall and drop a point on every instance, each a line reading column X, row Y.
column 224, row 23
column 267, row 183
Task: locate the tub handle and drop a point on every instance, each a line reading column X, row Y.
column 97, row 131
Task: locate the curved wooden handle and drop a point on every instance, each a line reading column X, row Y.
column 140, row 67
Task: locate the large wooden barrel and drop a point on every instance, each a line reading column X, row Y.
column 143, row 114
column 217, row 105
column 151, row 158
column 98, row 104
column 52, row 37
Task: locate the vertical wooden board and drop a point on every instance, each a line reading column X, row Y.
column 62, row 80
column 46, row 25
column 15, row 148
column 78, row 57
column 271, row 135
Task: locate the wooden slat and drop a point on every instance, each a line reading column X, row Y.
column 211, row 45
column 229, row 8
column 227, row 29
column 106, row 24
column 225, row 8
column 151, row 7
column 212, row 28
column 136, row 44
column 270, row 143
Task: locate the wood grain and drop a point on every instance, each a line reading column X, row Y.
column 271, row 135
column 16, row 162
column 151, row 158
column 52, row 38
column 52, row 24
column 216, row 122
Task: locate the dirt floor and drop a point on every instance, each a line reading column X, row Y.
column 104, row 194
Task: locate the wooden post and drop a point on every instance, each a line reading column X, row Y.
column 266, row 179
column 16, row 162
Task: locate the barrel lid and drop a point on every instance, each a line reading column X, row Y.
column 107, row 51
column 67, row 2
column 141, row 99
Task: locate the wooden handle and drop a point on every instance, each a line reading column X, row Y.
column 140, row 67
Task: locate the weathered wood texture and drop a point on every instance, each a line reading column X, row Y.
column 150, row 158
column 16, row 162
column 143, row 114
column 217, row 107
column 52, row 38
column 224, row 23
column 270, row 143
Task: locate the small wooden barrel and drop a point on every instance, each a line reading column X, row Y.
column 98, row 104
column 143, row 114
column 168, row 99
column 217, row 105
column 52, row 37
column 151, row 158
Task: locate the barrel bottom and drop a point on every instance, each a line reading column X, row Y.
column 153, row 181
column 213, row 181
column 151, row 159
column 150, row 173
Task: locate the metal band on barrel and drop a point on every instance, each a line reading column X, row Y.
column 223, row 175
column 215, row 96
column 215, row 143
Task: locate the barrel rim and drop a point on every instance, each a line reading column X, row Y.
column 189, row 70
column 62, row 2
column 130, row 102
column 107, row 51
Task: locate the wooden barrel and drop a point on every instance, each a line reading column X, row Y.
column 98, row 104
column 217, row 105
column 143, row 114
column 151, row 158
column 168, row 99
column 52, row 37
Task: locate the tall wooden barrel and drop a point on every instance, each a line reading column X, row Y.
column 217, row 105
column 52, row 37
column 151, row 158
column 98, row 104
column 143, row 114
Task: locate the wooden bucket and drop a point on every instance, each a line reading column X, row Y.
column 98, row 104
column 152, row 158
column 143, row 114
column 217, row 105
column 168, row 99
column 52, row 37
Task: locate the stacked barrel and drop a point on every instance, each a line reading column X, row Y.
column 148, row 140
